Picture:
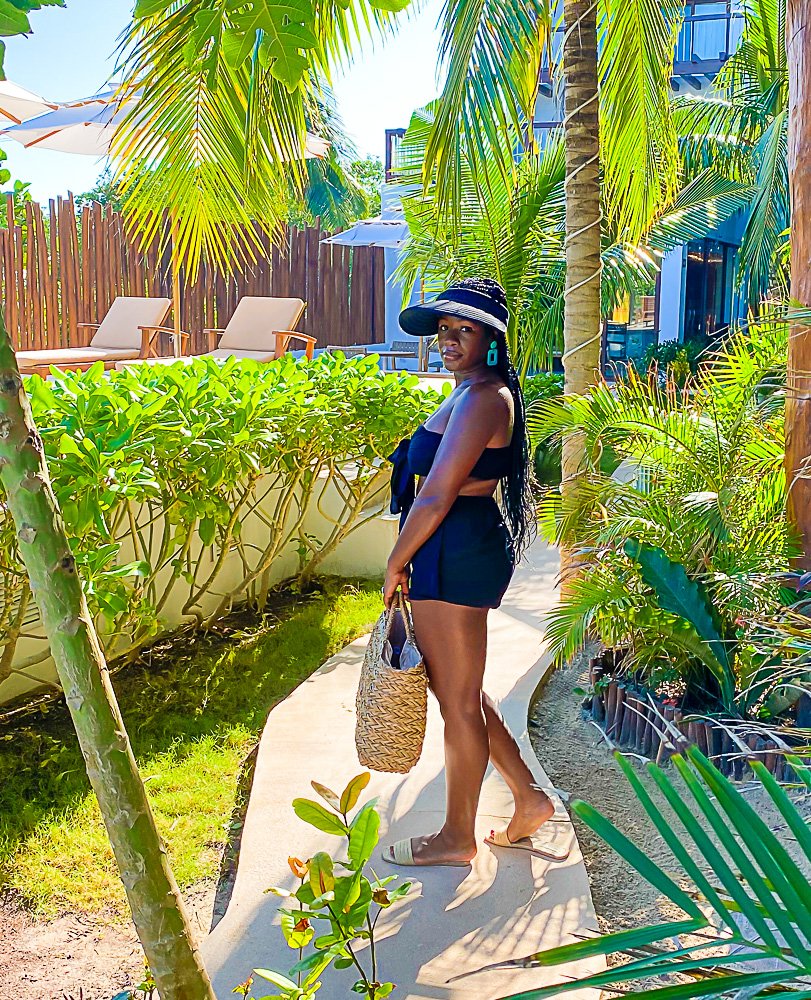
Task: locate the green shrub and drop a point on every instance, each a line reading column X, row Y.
column 158, row 468
column 686, row 553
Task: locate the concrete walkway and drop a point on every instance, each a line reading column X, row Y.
column 455, row 920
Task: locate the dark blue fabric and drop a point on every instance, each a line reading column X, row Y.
column 415, row 457
column 468, row 560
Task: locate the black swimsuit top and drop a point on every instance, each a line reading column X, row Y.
column 415, row 457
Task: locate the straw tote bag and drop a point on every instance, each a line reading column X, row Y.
column 392, row 696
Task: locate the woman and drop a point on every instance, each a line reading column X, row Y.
column 455, row 556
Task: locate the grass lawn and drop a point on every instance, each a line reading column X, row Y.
column 194, row 708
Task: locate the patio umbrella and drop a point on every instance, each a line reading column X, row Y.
column 17, row 103
column 87, row 127
column 377, row 232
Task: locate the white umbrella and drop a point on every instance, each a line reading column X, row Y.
column 17, row 103
column 87, row 127
column 377, row 232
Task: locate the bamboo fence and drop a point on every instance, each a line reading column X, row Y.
column 65, row 266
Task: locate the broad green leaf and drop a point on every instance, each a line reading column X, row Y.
column 316, row 815
column 276, row 978
column 321, row 874
column 363, row 835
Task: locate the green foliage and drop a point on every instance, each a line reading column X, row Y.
column 511, row 226
column 218, row 135
column 338, row 893
column 686, row 544
column 740, row 125
column 674, row 360
column 168, row 476
column 369, row 175
column 746, row 929
column 195, row 705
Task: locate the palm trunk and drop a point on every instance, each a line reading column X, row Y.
column 157, row 909
column 798, row 398
column 581, row 318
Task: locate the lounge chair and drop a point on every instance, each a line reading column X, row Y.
column 128, row 331
column 260, row 329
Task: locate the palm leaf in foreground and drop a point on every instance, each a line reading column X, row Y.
column 744, row 897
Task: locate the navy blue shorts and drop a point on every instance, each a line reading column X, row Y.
column 468, row 560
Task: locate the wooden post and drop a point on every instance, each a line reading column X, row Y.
column 798, row 397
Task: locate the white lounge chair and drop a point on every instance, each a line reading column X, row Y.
column 260, row 330
column 128, row 331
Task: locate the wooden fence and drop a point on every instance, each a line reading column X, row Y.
column 63, row 269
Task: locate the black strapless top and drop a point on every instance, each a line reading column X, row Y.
column 415, row 456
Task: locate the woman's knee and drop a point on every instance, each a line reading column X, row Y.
column 462, row 709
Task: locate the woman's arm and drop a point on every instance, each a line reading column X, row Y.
column 473, row 421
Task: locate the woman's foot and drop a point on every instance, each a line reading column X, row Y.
column 438, row 849
column 531, row 812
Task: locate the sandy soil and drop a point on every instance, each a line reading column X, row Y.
column 75, row 957
column 577, row 759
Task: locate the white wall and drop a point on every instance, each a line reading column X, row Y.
column 671, row 295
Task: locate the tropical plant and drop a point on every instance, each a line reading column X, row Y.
column 685, row 548
column 740, row 883
column 173, row 480
column 798, row 401
column 513, row 228
column 339, row 894
column 225, row 95
column 673, row 360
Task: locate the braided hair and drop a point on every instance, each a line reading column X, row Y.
column 516, row 486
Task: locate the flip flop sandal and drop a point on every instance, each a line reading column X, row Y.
column 552, row 844
column 402, row 853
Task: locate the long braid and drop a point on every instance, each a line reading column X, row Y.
column 516, row 488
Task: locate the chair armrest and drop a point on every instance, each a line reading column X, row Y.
column 148, row 334
column 213, row 335
column 294, row 334
column 92, row 326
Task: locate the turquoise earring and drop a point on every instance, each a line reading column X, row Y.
column 492, row 355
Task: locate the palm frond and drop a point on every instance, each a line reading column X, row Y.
column 639, row 149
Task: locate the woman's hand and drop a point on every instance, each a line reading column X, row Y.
column 396, row 579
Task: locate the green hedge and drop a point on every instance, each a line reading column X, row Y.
column 159, row 459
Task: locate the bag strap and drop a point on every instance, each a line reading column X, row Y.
column 400, row 606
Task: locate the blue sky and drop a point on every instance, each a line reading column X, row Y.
column 68, row 56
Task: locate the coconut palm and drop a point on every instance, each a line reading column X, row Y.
column 741, row 126
column 218, row 133
column 495, row 52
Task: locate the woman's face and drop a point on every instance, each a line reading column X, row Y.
column 463, row 343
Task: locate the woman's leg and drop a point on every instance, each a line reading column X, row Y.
column 532, row 806
column 453, row 640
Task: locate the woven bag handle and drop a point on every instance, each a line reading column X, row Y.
column 401, row 606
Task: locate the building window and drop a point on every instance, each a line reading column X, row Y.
column 710, row 33
column 708, row 291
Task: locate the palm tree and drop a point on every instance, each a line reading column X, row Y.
column 218, row 133
column 741, row 126
column 495, row 53
column 798, row 401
